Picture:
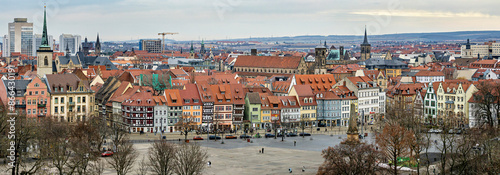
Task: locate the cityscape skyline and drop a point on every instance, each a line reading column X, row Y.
column 221, row 19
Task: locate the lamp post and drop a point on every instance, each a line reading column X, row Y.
column 418, row 166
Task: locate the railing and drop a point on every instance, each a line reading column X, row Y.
column 42, row 105
column 20, row 106
column 71, row 103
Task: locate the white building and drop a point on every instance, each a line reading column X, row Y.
column 160, row 114
column 425, row 76
column 368, row 93
column 73, row 42
column 19, row 38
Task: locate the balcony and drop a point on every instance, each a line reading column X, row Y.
column 20, row 106
column 71, row 103
column 238, row 119
column 42, row 105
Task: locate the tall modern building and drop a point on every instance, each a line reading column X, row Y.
column 73, row 42
column 152, row 46
column 19, row 38
column 37, row 40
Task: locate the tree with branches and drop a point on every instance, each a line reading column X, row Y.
column 124, row 156
column 394, row 142
column 161, row 157
column 190, row 159
column 185, row 125
column 350, row 159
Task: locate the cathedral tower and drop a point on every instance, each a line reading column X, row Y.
column 365, row 48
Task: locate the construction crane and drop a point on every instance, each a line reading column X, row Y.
column 163, row 40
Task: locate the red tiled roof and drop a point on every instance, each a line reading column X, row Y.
column 427, row 73
column 268, row 62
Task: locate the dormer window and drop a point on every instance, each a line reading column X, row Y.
column 310, row 100
column 187, row 101
column 305, row 100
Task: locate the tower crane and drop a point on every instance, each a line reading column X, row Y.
column 163, row 39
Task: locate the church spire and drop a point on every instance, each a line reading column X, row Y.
column 97, row 46
column 192, row 48
column 45, row 38
column 366, row 38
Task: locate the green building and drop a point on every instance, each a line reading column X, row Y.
column 252, row 110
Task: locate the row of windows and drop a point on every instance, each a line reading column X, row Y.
column 78, row 100
column 41, row 111
column 36, row 92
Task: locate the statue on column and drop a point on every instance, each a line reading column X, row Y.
column 352, row 131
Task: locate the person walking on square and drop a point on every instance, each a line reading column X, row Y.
column 209, row 163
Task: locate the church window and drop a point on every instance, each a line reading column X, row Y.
column 46, row 61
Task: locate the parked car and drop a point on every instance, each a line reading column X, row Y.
column 231, row 137
column 304, row 134
column 197, row 138
column 244, row 136
column 269, row 135
column 291, row 134
column 212, row 137
column 107, row 154
column 257, row 136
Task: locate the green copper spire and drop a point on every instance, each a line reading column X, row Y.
column 45, row 39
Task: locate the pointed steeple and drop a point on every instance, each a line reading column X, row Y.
column 45, row 38
column 192, row 48
column 325, row 44
column 467, row 46
column 97, row 46
column 67, row 50
column 366, row 38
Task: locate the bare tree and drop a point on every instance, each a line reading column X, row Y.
column 161, row 157
column 186, row 124
column 56, row 144
column 190, row 159
column 394, row 142
column 124, row 156
column 143, row 167
column 349, row 159
column 24, row 137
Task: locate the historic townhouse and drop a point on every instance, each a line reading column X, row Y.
column 265, row 108
column 453, row 97
column 307, row 102
column 138, row 112
column 368, row 93
column 238, row 95
column 290, row 111
column 38, row 99
column 430, row 104
column 207, row 100
column 174, row 103
column 223, row 106
column 347, row 97
column 191, row 103
column 71, row 98
column 160, row 114
column 253, row 110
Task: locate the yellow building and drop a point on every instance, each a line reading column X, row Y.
column 72, row 100
column 454, row 96
column 191, row 103
column 307, row 102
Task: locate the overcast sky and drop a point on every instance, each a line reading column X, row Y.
column 220, row 19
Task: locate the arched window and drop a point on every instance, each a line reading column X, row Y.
column 46, row 61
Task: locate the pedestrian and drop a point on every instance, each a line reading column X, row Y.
column 303, row 168
column 294, row 143
column 290, row 170
column 209, row 163
column 262, row 150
